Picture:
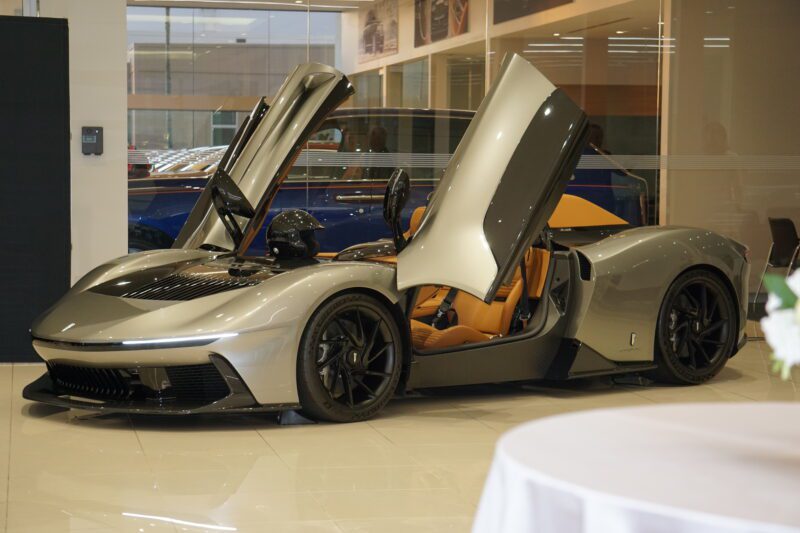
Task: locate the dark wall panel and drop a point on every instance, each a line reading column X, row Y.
column 34, row 176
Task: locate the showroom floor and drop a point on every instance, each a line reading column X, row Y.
column 419, row 467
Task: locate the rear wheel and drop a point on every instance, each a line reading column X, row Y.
column 696, row 331
column 350, row 359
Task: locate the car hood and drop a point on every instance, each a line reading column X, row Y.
column 196, row 297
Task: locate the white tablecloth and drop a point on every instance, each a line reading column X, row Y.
column 679, row 468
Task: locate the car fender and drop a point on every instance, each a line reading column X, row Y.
column 273, row 322
column 625, row 277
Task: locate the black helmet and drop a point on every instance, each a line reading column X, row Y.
column 290, row 235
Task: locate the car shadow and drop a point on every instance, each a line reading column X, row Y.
column 467, row 401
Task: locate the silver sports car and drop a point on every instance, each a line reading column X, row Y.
column 502, row 277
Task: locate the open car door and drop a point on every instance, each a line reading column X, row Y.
column 503, row 182
column 232, row 208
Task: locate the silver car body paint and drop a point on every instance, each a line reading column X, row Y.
column 451, row 233
column 631, row 273
column 268, row 320
column 259, row 328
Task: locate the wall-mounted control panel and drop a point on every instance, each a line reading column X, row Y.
column 92, row 140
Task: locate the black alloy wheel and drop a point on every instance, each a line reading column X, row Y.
column 697, row 327
column 350, row 359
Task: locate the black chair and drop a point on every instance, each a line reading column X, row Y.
column 783, row 250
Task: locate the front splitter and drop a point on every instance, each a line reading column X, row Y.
column 44, row 390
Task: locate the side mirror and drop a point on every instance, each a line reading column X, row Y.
column 229, row 202
column 398, row 191
column 228, row 196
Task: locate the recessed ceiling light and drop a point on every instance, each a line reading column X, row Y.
column 556, row 35
column 620, row 32
column 709, row 12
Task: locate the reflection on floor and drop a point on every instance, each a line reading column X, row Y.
column 419, row 467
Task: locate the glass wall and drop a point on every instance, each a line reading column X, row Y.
column 730, row 139
column 186, row 66
column 606, row 58
column 692, row 102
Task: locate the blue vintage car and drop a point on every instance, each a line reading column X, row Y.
column 341, row 175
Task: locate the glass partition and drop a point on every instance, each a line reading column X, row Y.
column 606, row 58
column 692, row 102
column 730, row 141
column 407, row 84
column 186, row 66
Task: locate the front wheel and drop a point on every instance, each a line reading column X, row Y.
column 696, row 330
column 350, row 359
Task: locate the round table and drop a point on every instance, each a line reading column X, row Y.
column 684, row 468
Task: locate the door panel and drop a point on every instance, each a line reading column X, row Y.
column 500, row 187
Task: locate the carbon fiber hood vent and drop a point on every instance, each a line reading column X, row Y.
column 188, row 287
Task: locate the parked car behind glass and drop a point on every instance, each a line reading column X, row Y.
column 341, row 176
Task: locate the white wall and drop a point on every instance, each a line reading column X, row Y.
column 98, row 97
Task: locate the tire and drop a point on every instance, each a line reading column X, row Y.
column 696, row 330
column 350, row 359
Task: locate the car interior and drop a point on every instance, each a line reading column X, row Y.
column 440, row 318
column 469, row 320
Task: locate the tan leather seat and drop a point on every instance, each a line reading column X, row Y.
column 413, row 224
column 477, row 320
column 425, row 337
column 429, row 297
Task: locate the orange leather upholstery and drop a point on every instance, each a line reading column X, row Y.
column 477, row 321
column 429, row 298
column 536, row 260
column 390, row 259
column 413, row 224
column 425, row 337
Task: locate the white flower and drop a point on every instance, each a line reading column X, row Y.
column 782, row 332
column 773, row 303
column 793, row 282
column 797, row 311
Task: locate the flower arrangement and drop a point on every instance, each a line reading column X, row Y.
column 781, row 326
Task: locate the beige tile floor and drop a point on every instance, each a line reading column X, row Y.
column 419, row 467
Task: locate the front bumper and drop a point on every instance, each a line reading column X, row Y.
column 172, row 390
